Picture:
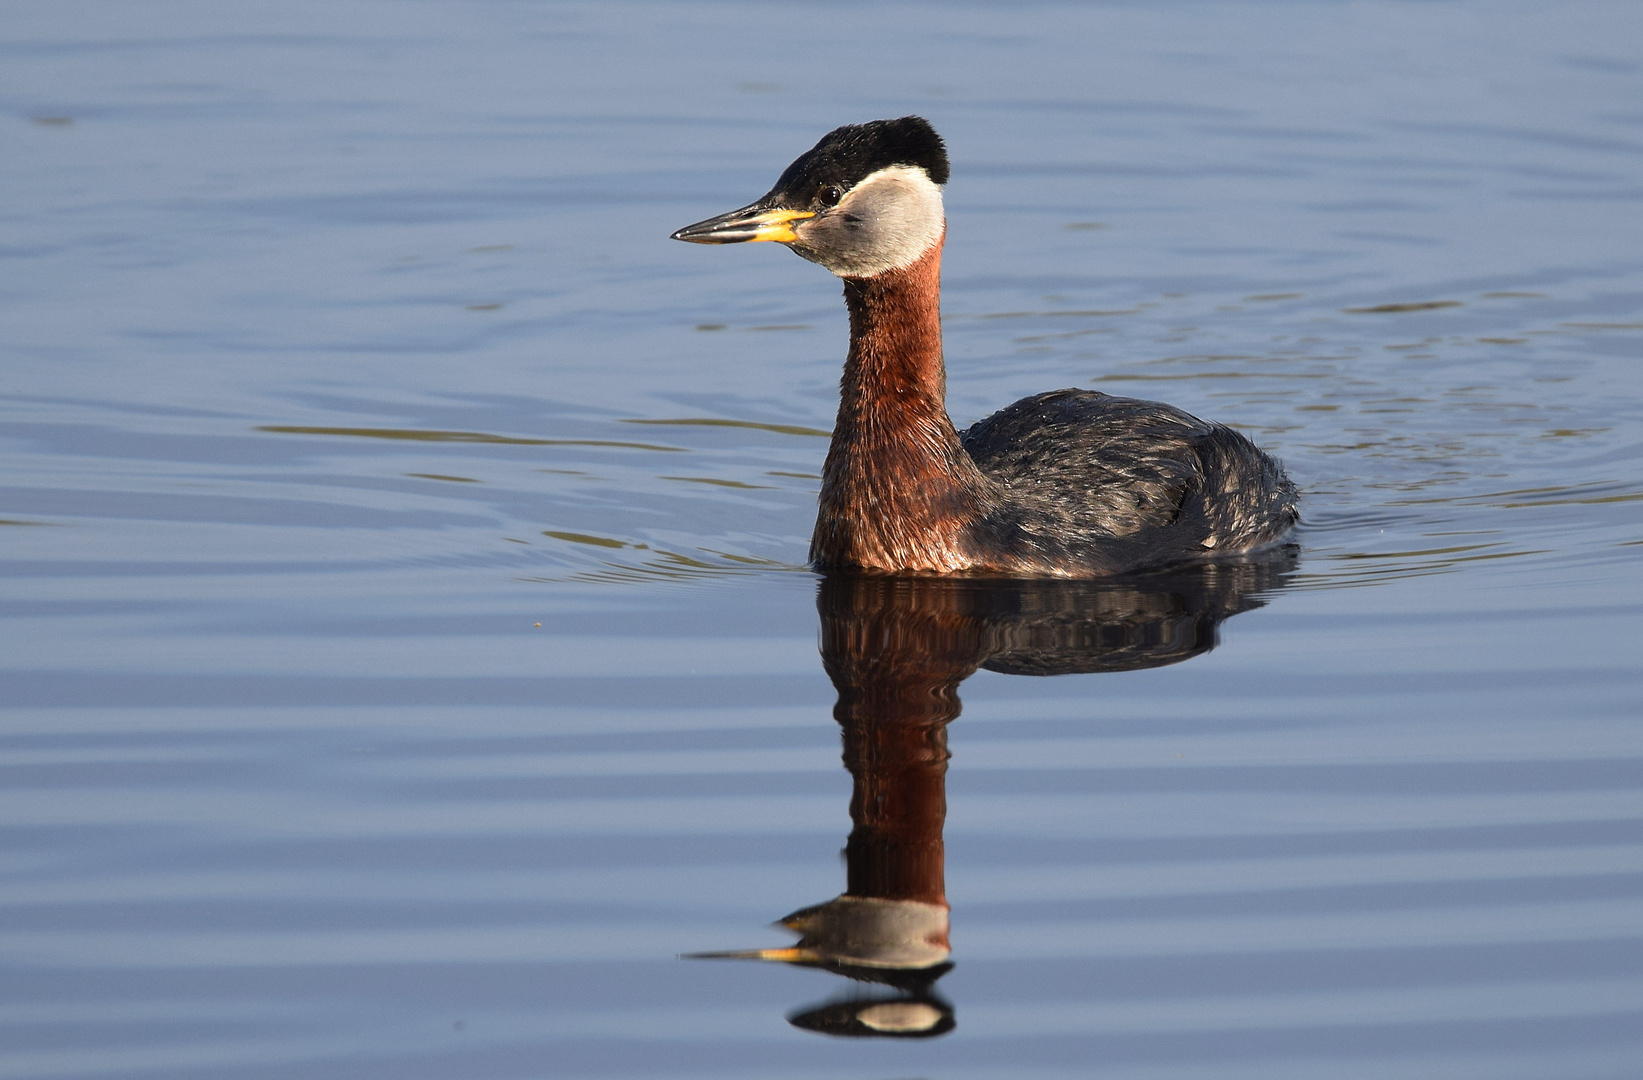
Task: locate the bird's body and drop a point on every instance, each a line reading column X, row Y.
column 1072, row 483
column 1114, row 483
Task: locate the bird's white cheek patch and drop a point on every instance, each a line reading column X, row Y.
column 886, row 222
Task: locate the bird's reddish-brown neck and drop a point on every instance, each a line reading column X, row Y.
column 895, row 339
column 898, row 488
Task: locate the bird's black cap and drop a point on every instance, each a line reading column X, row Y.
column 849, row 154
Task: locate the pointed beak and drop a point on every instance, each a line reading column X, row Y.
column 756, row 222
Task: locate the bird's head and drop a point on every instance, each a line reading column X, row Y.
column 863, row 201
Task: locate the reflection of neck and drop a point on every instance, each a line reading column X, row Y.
column 896, row 650
column 897, row 674
column 899, row 801
column 897, row 487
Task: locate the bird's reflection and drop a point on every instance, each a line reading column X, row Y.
column 896, row 649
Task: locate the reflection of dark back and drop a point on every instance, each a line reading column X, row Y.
column 896, row 649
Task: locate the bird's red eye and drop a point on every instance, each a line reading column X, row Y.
column 830, row 195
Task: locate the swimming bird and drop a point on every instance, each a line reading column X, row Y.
column 1071, row 483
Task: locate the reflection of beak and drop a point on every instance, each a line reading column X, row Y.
column 785, row 956
column 754, row 222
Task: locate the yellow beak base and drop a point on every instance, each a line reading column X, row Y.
column 750, row 223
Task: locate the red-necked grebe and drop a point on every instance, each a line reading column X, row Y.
column 1072, row 483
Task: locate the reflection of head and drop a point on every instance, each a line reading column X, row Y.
column 887, row 934
column 899, row 943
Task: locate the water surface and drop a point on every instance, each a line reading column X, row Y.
column 408, row 654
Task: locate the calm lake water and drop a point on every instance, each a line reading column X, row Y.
column 407, row 651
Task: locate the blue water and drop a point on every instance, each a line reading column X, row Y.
column 406, row 652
